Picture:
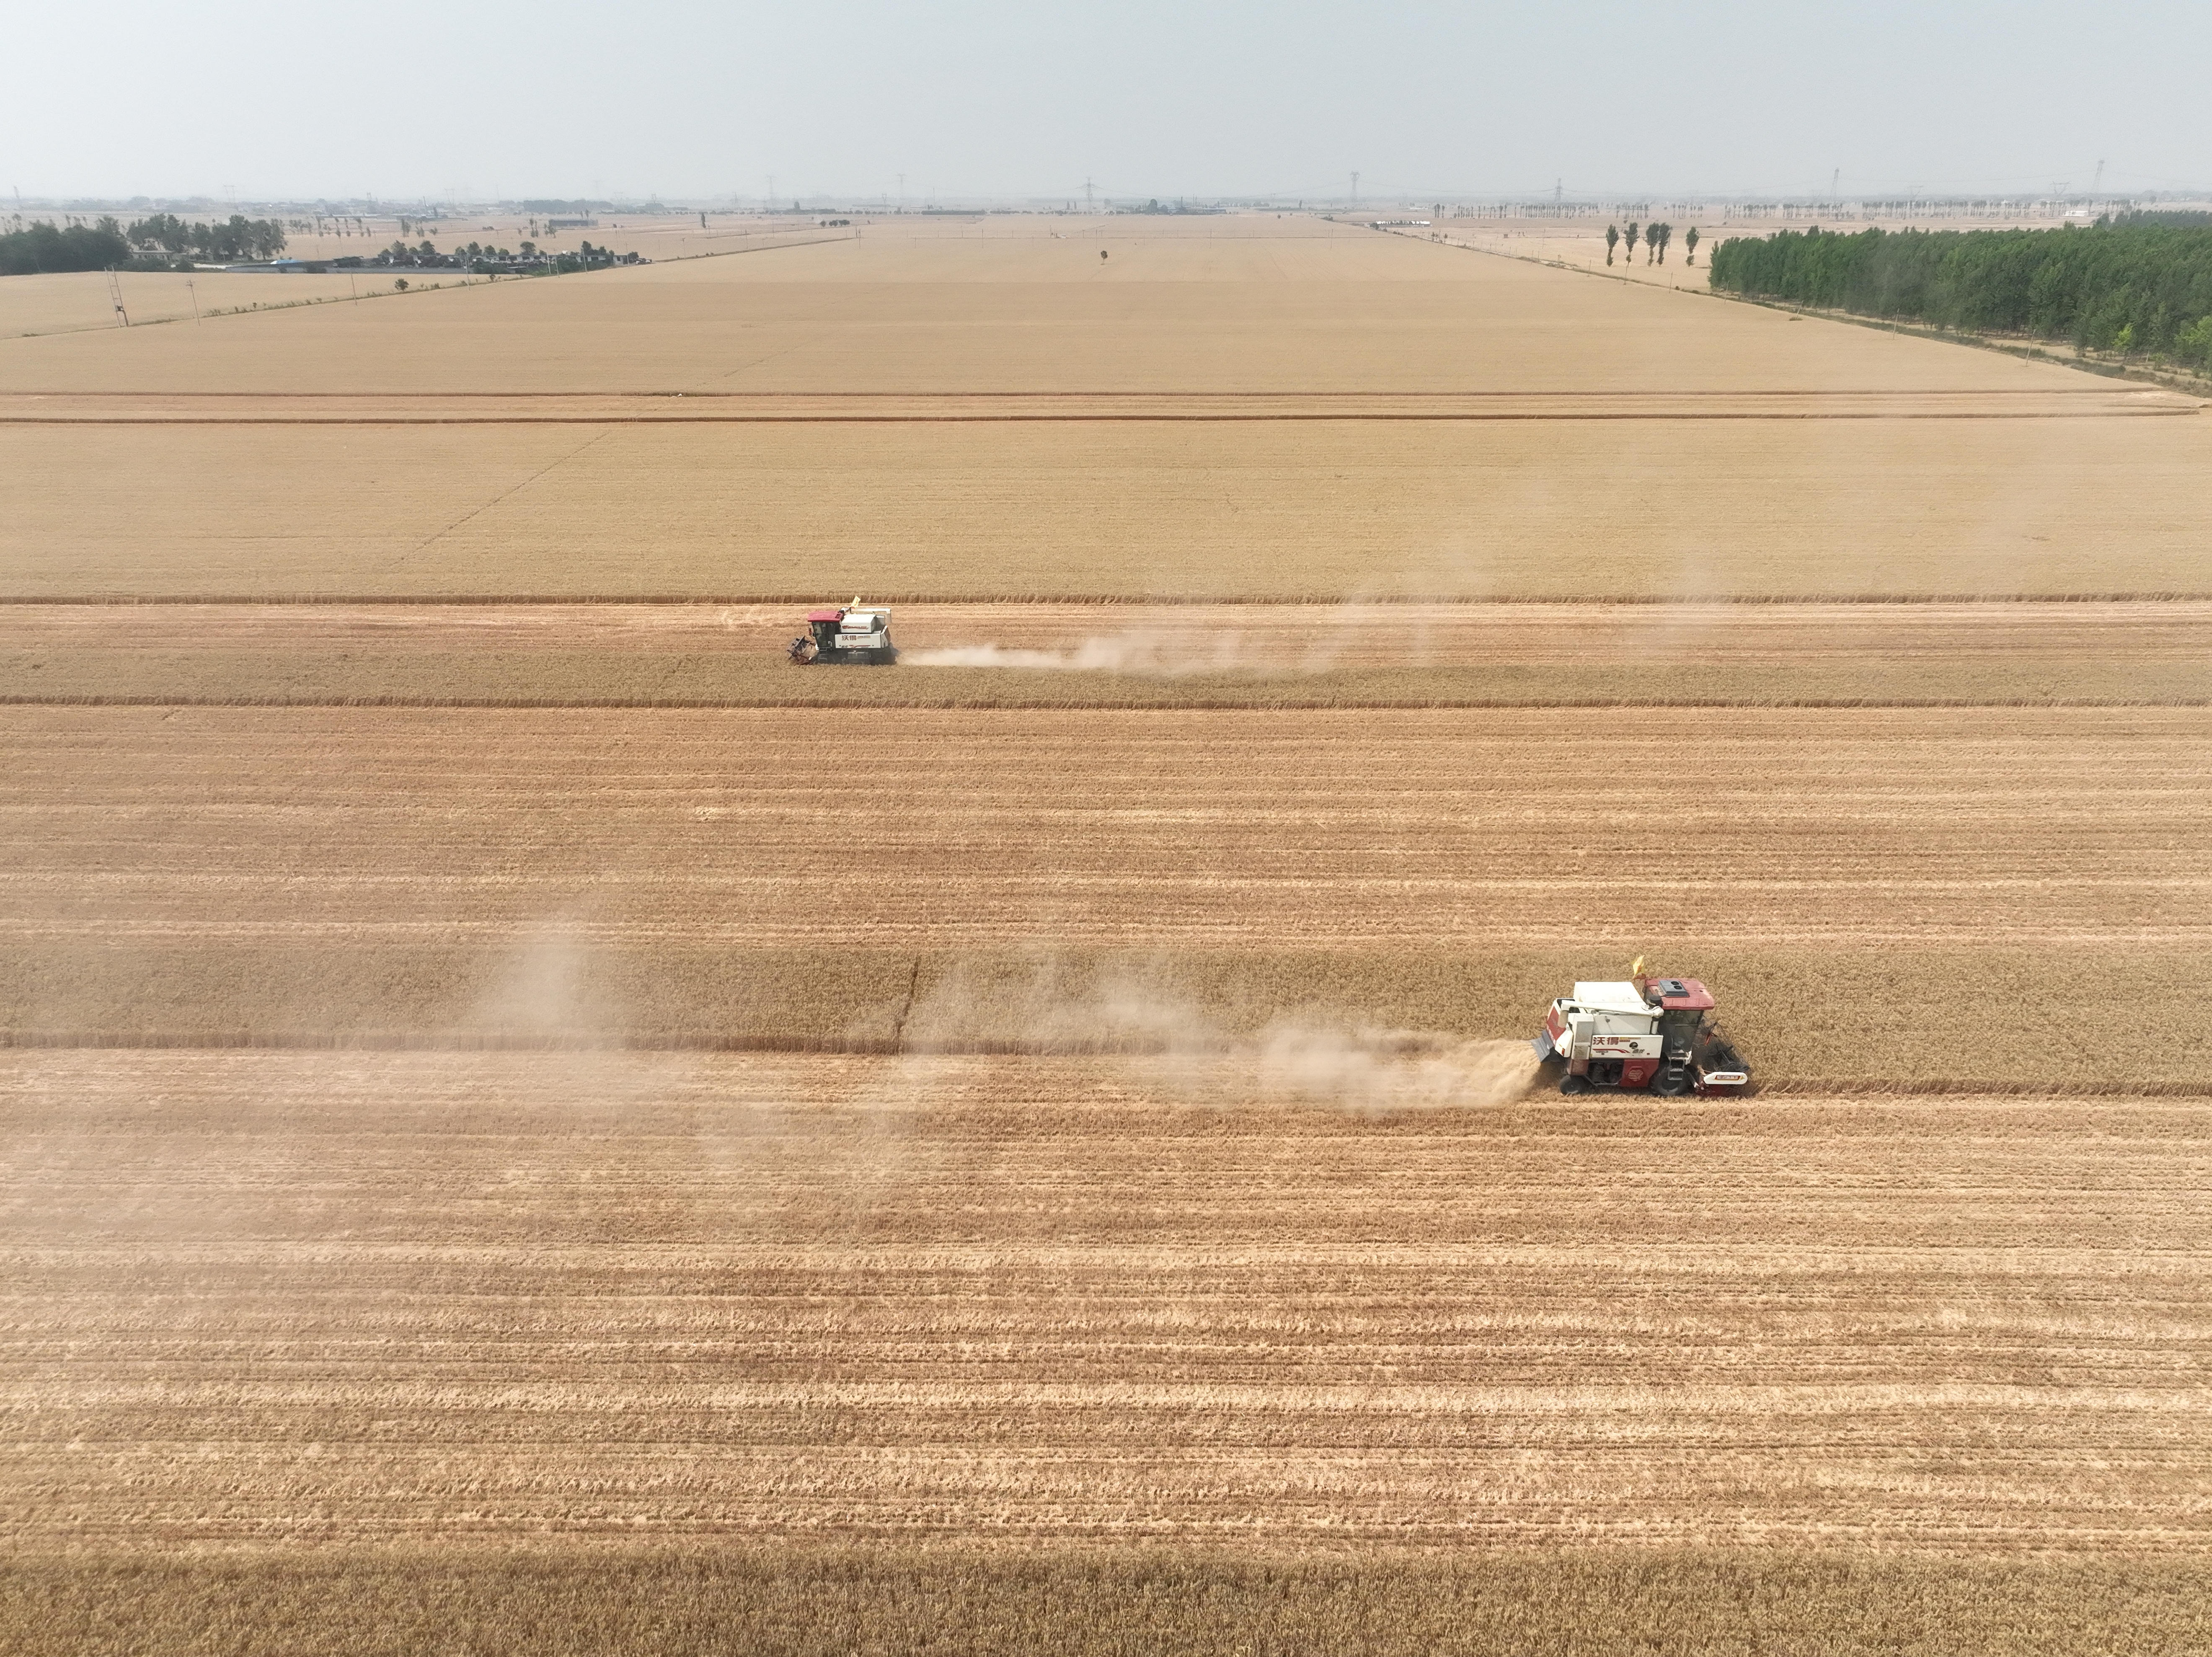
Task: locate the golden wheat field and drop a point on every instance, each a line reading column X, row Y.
column 533, row 1124
column 1580, row 438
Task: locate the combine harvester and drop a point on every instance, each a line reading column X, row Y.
column 1644, row 1034
column 850, row 637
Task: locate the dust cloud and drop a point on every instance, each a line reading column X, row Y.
column 1316, row 1056
column 1161, row 653
column 1361, row 1068
column 1285, row 640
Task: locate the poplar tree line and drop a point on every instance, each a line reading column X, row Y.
column 1658, row 238
column 2139, row 289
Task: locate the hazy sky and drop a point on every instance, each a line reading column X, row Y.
column 484, row 98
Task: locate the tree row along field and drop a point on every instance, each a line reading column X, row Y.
column 1918, row 898
column 1046, row 655
column 1329, row 510
column 347, row 1297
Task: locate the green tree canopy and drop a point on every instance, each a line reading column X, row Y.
column 238, row 239
column 45, row 247
column 2127, row 288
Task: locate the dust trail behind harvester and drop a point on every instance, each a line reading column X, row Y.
column 1365, row 1069
column 1157, row 652
column 1317, row 1056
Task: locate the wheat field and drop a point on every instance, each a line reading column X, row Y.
column 685, row 876
column 265, row 1295
column 533, row 1125
column 826, row 1353
column 1682, row 447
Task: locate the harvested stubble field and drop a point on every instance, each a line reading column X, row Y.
column 672, row 1300
column 1129, row 1229
column 1121, row 655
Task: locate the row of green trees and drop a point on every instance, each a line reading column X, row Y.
column 2137, row 288
column 43, row 246
column 1658, row 238
column 237, row 239
column 157, row 244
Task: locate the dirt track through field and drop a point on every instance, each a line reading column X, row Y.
column 880, row 407
column 353, row 1298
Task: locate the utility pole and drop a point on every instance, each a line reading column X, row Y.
column 1090, row 204
column 1355, row 192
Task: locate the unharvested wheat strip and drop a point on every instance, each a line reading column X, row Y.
column 394, row 875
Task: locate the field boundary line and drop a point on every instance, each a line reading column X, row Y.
column 1094, row 419
column 1216, row 704
column 1044, row 397
column 1100, row 600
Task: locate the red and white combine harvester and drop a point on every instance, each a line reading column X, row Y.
column 1644, row 1034
column 848, row 637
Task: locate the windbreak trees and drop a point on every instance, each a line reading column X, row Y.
column 2143, row 288
column 45, row 247
column 238, row 238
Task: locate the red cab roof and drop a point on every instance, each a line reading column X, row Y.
column 1681, row 994
column 825, row 615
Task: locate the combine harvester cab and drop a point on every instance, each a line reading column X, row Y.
column 1653, row 1034
column 853, row 636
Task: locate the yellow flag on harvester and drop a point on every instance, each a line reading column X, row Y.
column 1637, row 970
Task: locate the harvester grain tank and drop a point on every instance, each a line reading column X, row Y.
column 1641, row 1034
column 855, row 635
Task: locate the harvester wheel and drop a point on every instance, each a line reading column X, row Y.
column 1574, row 1084
column 1671, row 1087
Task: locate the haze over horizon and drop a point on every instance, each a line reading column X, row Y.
column 980, row 99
